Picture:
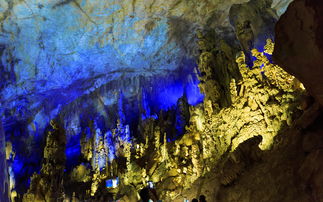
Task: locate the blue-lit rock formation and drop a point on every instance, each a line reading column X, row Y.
column 76, row 46
column 254, row 22
column 73, row 59
column 53, row 52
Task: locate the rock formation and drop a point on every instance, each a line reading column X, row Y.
column 299, row 46
column 299, row 50
column 180, row 98
column 253, row 23
column 48, row 185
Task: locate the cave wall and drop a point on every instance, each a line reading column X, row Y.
column 299, row 46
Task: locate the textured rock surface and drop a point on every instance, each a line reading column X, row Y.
column 287, row 172
column 253, row 23
column 263, row 103
column 280, row 6
column 244, row 172
column 47, row 45
column 299, row 44
column 48, row 185
column 53, row 44
column 95, row 66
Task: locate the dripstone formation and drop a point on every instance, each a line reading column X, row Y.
column 105, row 100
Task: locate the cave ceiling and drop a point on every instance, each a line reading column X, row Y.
column 53, row 52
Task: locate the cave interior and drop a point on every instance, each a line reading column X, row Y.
column 161, row 100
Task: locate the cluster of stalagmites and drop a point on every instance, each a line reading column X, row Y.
column 244, row 107
column 264, row 101
column 48, row 184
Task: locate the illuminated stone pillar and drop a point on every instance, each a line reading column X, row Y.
column 4, row 183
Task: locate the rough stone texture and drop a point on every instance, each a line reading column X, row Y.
column 72, row 58
column 52, row 44
column 54, row 52
column 229, row 150
column 254, row 23
column 48, row 185
column 299, row 44
column 285, row 173
column 74, row 45
column 280, row 6
column 219, row 144
column 311, row 173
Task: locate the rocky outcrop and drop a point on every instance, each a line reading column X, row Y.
column 230, row 141
column 299, row 44
column 280, row 6
column 48, row 185
column 286, row 165
column 299, row 50
column 253, row 23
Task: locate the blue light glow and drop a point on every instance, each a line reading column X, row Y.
column 166, row 91
column 109, row 143
column 54, row 66
column 112, row 183
column 168, row 96
column 73, row 151
column 121, row 114
column 17, row 166
column 194, row 95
